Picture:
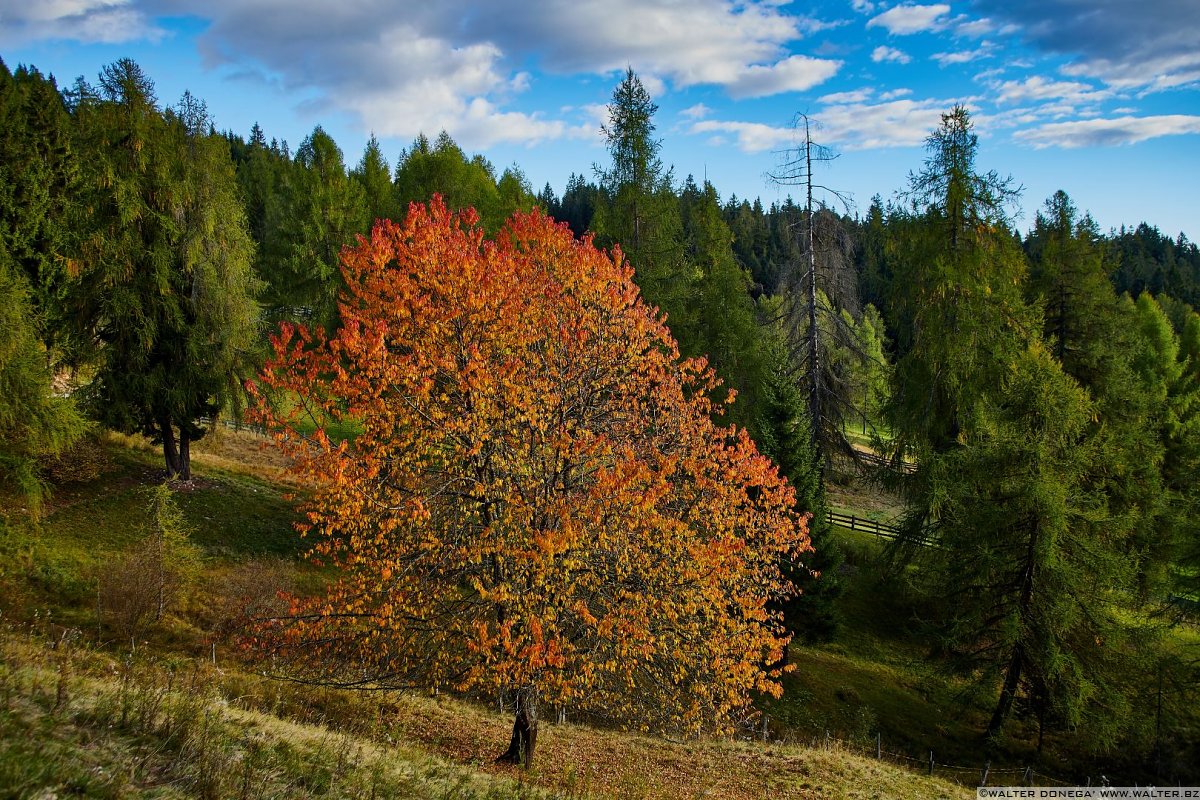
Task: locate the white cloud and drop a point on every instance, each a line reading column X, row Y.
column 883, row 54
column 752, row 137
column 906, row 19
column 698, row 111
column 862, row 6
column 895, row 123
column 103, row 21
column 1108, row 132
column 975, row 28
column 857, row 96
column 848, row 126
column 792, row 74
column 403, row 68
column 1038, row 88
column 895, row 93
column 1154, row 72
column 963, row 56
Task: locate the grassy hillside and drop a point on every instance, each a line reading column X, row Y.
column 76, row 721
column 877, row 679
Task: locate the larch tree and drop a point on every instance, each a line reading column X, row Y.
column 538, row 503
column 1027, row 570
column 162, row 300
column 37, row 180
column 317, row 210
column 375, row 177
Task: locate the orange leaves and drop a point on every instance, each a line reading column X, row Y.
column 537, row 496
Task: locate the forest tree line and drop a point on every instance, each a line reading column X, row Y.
column 1046, row 384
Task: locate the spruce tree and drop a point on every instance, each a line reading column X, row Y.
column 640, row 211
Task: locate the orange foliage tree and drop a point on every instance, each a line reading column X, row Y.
column 536, row 501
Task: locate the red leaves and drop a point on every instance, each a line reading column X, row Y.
column 537, row 496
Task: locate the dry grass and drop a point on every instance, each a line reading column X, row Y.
column 108, row 727
column 611, row 764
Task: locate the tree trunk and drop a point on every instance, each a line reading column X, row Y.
column 1008, row 692
column 170, row 451
column 524, row 732
column 185, row 455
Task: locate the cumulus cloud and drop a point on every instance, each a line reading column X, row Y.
column 883, row 54
column 456, row 64
column 868, row 126
column 906, row 19
column 1128, row 44
column 1037, row 88
column 698, row 111
column 1108, row 132
column 792, row 74
column 751, row 137
column 849, row 126
column 105, row 21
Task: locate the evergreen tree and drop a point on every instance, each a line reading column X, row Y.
column 514, row 193
column 579, row 203
column 1027, row 571
column 375, row 177
column 781, row 430
column 33, row 421
column 316, row 211
column 39, row 180
column 443, row 168
column 164, row 296
column 1094, row 337
column 641, row 212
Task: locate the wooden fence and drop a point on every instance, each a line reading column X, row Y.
column 856, row 523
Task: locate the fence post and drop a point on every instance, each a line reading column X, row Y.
column 766, row 719
column 987, row 767
column 826, row 738
column 930, row 762
column 853, row 520
column 878, row 745
column 1028, row 778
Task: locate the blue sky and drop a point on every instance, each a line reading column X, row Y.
column 1097, row 97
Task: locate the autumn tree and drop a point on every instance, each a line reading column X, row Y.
column 538, row 502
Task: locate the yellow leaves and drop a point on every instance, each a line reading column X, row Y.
column 538, row 495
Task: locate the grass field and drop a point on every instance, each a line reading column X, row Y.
column 877, row 679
